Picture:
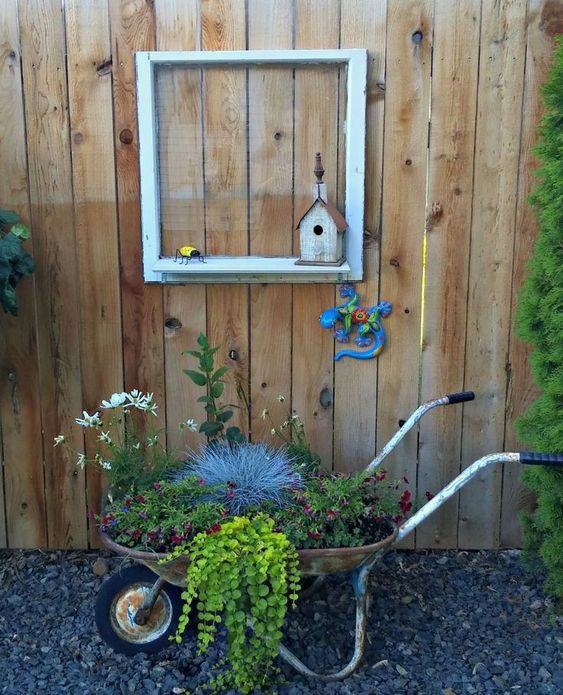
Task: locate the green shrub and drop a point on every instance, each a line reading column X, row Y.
column 15, row 261
column 540, row 322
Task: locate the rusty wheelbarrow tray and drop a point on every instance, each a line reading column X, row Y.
column 319, row 563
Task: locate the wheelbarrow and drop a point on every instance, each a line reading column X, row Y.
column 137, row 609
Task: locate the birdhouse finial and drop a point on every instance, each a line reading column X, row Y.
column 319, row 171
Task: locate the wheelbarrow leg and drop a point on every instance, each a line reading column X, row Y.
column 359, row 579
column 142, row 615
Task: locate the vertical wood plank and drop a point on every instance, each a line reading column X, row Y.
column 226, row 204
column 178, row 28
column 521, row 389
column 132, row 27
column 271, row 212
column 500, row 90
column 58, row 329
column 21, row 455
column 95, row 213
column 363, row 25
column 448, row 230
column 407, row 93
column 316, row 122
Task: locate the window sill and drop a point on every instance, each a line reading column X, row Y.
column 250, row 269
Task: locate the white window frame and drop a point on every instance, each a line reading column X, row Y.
column 252, row 268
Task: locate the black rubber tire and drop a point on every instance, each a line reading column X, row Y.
column 170, row 600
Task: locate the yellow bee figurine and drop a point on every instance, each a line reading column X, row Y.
column 185, row 253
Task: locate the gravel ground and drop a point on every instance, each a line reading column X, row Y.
column 441, row 624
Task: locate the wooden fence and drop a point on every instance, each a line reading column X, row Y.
column 452, row 112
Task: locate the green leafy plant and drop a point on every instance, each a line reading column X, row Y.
column 242, row 573
column 131, row 457
column 212, row 379
column 162, row 516
column 335, row 511
column 540, row 322
column 15, row 261
column 292, row 433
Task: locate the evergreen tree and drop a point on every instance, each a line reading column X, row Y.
column 540, row 322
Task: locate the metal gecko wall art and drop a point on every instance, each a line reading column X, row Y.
column 370, row 330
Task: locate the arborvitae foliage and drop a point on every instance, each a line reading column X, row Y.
column 540, row 322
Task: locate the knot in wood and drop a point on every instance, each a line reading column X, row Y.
column 126, row 136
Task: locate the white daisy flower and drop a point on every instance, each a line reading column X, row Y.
column 281, row 398
column 116, row 399
column 190, row 424
column 81, row 461
column 152, row 441
column 59, row 439
column 89, row 420
column 265, row 413
column 104, row 437
column 106, row 465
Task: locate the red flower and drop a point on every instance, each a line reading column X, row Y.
column 381, row 476
column 230, row 495
column 308, row 510
column 404, row 503
column 359, row 316
column 140, row 499
column 135, row 534
column 397, row 519
column 157, row 486
column 127, row 502
column 232, row 486
column 213, row 529
column 428, row 495
column 176, row 539
column 201, row 481
column 331, row 514
column 315, row 535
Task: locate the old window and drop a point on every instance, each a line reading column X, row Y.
column 227, row 146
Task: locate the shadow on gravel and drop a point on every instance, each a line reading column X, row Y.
column 440, row 624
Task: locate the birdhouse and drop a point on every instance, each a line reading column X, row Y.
column 321, row 229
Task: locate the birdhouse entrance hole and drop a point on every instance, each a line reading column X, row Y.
column 318, row 229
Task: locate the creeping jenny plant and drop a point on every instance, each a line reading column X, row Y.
column 242, row 573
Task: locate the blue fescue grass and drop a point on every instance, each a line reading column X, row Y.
column 246, row 475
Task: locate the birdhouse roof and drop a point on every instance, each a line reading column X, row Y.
column 336, row 215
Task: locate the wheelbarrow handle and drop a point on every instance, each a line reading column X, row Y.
column 535, row 459
column 462, row 397
column 414, row 419
column 469, row 473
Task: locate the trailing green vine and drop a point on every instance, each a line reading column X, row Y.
column 242, row 573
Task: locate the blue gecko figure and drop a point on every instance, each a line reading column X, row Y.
column 370, row 330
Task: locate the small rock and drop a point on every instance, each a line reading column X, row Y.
column 100, row 567
column 544, row 674
column 536, row 605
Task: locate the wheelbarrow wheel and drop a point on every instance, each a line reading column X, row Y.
column 121, row 596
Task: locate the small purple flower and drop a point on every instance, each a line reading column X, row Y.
column 125, row 509
column 114, row 522
column 143, row 515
